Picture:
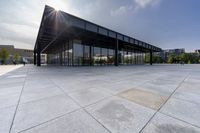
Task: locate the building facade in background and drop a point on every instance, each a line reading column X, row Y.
column 24, row 54
column 197, row 51
column 72, row 41
column 164, row 54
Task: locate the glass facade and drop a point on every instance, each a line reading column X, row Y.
column 75, row 53
column 77, row 42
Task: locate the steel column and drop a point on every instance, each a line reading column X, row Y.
column 91, row 55
column 151, row 56
column 34, row 57
column 38, row 58
column 116, row 53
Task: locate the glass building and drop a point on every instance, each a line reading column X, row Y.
column 71, row 41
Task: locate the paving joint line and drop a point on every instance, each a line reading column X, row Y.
column 180, row 120
column 50, row 120
column 10, row 129
column 83, row 107
column 164, row 103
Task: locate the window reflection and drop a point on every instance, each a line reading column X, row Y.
column 86, row 55
column 76, row 53
column 104, row 56
column 110, row 57
column 96, row 56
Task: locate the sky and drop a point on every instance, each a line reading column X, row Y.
column 164, row 23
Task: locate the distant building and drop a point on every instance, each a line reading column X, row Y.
column 164, row 54
column 197, row 51
column 25, row 54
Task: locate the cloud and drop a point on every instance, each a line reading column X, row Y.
column 145, row 3
column 133, row 7
column 19, row 22
column 18, row 33
column 122, row 10
column 22, row 26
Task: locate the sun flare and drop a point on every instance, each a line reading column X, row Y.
column 57, row 5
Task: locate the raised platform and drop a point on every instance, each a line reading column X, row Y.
column 125, row 99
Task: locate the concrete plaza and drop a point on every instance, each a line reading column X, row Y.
column 124, row 99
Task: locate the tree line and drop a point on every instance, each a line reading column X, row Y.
column 5, row 56
column 187, row 58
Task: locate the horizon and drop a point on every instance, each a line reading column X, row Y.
column 160, row 23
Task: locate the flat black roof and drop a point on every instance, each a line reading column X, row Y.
column 57, row 26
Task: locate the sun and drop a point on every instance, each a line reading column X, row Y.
column 56, row 9
column 56, row 4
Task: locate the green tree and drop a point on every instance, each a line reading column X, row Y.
column 171, row 59
column 157, row 59
column 4, row 55
column 184, row 57
column 16, row 57
column 147, row 58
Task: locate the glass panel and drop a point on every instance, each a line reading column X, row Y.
column 146, row 45
column 129, row 58
column 77, row 22
column 121, row 58
column 104, row 57
column 66, row 55
column 136, row 42
column 78, row 54
column 125, row 57
column 140, row 43
column 70, row 52
column 136, row 57
column 96, row 56
column 120, row 37
column 126, row 39
column 131, row 41
column 91, row 27
column 110, row 57
column 102, row 31
column 133, row 57
column 63, row 55
column 112, row 34
column 86, row 55
column 142, row 58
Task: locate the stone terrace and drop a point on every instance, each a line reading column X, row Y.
column 125, row 99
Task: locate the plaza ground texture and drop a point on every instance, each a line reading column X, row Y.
column 124, row 99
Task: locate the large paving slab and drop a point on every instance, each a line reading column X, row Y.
column 183, row 110
column 189, row 87
column 160, row 87
column 8, row 68
column 6, row 117
column 165, row 124
column 188, row 96
column 89, row 96
column 75, row 122
column 119, row 115
column 34, row 113
column 33, row 94
column 9, row 99
column 100, row 99
column 145, row 98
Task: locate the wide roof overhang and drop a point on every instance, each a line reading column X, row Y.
column 57, row 27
